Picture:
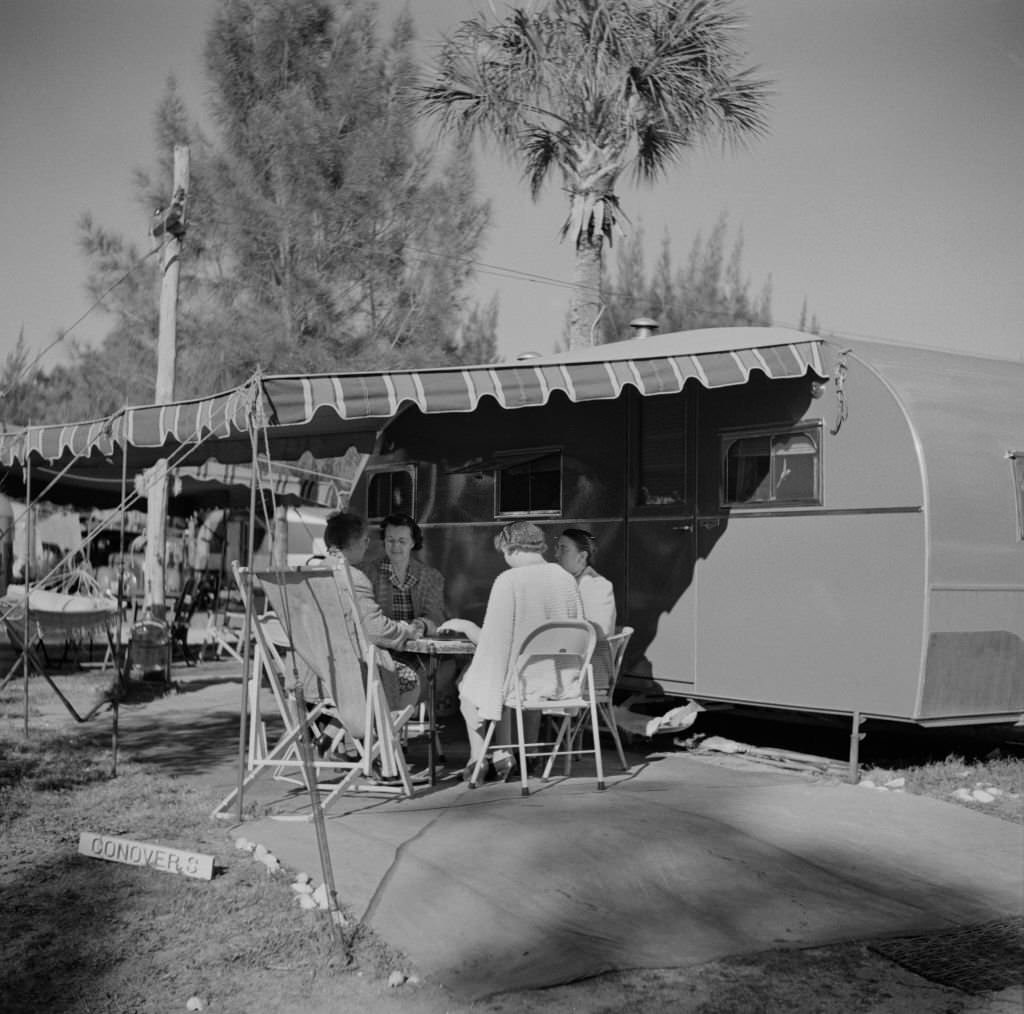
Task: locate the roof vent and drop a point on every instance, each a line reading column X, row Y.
column 643, row 327
column 524, row 356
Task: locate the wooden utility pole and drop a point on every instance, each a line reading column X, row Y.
column 172, row 229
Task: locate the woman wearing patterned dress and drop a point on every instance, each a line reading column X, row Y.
column 406, row 588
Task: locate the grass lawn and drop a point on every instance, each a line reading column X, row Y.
column 126, row 939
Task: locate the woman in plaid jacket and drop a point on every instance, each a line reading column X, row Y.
column 405, row 588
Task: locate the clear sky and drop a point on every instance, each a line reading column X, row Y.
column 889, row 192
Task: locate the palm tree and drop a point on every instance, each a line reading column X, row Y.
column 592, row 88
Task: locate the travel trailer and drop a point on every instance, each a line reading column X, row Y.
column 789, row 522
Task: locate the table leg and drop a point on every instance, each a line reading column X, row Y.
column 432, row 663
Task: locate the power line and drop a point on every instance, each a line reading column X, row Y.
column 516, row 274
column 28, row 367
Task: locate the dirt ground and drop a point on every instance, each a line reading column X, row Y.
column 847, row 978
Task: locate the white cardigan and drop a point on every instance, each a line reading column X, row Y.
column 521, row 599
column 598, row 597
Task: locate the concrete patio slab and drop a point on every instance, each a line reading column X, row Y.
column 680, row 862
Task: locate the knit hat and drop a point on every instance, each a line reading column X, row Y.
column 521, row 537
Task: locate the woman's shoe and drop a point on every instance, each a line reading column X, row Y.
column 380, row 778
column 502, row 763
column 487, row 773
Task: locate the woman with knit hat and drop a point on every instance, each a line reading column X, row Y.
column 531, row 592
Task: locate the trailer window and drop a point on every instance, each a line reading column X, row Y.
column 771, row 468
column 390, row 492
column 529, row 483
column 1017, row 460
column 662, row 478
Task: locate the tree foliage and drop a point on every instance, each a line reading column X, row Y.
column 354, row 250
column 590, row 89
column 709, row 290
column 321, row 235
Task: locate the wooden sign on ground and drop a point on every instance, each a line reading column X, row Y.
column 137, row 853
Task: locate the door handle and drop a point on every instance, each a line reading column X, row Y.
column 682, row 528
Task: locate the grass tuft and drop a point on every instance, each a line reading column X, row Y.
column 941, row 780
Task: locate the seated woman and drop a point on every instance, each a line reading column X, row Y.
column 526, row 595
column 406, row 588
column 574, row 551
column 346, row 538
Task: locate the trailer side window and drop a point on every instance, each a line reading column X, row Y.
column 529, row 483
column 1017, row 460
column 390, row 492
column 662, row 478
column 771, row 467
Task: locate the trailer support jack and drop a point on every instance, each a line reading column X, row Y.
column 855, row 737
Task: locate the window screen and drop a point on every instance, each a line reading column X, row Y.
column 529, row 483
column 662, row 478
column 390, row 492
column 771, row 468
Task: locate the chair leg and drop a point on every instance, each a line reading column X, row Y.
column 564, row 734
column 606, row 714
column 596, row 728
column 525, row 788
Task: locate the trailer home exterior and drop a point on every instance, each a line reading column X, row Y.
column 788, row 521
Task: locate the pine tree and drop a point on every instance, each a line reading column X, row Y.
column 711, row 290
column 350, row 247
column 320, row 237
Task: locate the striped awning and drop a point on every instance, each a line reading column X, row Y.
column 220, row 417
column 295, row 400
column 292, row 413
column 288, row 485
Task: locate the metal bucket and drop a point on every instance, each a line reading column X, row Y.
column 150, row 650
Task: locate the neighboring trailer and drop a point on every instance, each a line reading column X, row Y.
column 844, row 537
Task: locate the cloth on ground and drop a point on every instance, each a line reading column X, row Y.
column 676, row 720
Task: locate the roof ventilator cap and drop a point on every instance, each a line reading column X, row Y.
column 643, row 327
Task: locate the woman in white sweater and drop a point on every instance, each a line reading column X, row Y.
column 575, row 552
column 526, row 595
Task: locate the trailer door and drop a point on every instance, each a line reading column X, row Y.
column 662, row 542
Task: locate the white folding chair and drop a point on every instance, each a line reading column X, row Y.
column 608, row 656
column 552, row 674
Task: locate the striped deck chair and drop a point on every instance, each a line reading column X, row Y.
column 311, row 634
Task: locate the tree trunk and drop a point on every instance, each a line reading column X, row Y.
column 586, row 307
column 167, row 352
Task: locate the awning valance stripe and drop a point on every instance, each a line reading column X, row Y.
column 294, row 401
column 379, row 396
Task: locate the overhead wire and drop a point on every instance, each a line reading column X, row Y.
column 29, row 366
column 515, row 274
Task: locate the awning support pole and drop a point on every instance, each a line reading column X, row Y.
column 243, row 716
column 29, row 538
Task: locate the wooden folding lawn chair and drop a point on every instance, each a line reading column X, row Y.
column 312, row 635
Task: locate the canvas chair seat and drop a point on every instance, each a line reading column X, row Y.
column 310, row 647
column 552, row 674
